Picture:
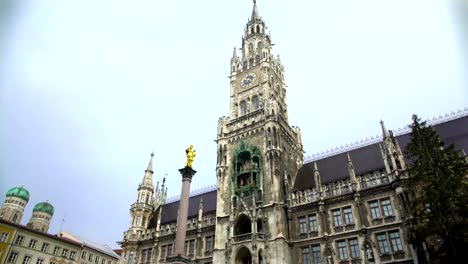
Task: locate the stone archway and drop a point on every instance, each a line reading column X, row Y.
column 243, row 256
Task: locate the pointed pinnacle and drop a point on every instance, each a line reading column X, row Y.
column 384, row 130
column 315, row 167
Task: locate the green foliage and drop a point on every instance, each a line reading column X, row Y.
column 439, row 182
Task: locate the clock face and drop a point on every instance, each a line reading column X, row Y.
column 248, row 80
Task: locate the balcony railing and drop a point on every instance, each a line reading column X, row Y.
column 243, row 237
column 340, row 188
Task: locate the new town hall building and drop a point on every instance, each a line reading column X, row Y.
column 269, row 206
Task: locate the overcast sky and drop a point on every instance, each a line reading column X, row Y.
column 89, row 88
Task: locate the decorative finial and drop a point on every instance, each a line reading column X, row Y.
column 152, row 154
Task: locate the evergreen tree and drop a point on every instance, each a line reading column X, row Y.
column 439, row 183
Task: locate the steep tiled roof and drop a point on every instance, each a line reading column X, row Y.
column 368, row 158
column 169, row 210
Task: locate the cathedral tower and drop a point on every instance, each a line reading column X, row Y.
column 41, row 217
column 258, row 156
column 15, row 202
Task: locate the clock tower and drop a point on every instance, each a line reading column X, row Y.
column 258, row 156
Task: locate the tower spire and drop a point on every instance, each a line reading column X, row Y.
column 150, row 164
column 255, row 11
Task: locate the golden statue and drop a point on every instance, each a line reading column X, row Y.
column 190, row 152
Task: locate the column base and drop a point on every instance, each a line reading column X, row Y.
column 178, row 259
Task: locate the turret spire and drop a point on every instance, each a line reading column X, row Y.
column 255, row 11
column 150, row 164
column 384, row 130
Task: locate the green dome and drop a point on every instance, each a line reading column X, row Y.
column 19, row 192
column 44, row 208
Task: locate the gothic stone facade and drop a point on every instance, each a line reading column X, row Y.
column 269, row 206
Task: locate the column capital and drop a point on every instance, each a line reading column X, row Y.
column 187, row 173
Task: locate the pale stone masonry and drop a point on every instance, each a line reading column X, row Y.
column 269, row 206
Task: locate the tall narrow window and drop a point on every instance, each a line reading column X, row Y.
column 255, row 103
column 243, row 107
column 169, row 249
column 149, row 255
column 142, row 198
column 306, row 256
column 337, row 221
column 191, row 247
column 163, row 252
column 348, row 215
column 208, row 244
column 383, row 243
column 313, row 222
column 396, row 241
column 4, row 237
column 375, row 209
column 45, row 247
column 143, row 256
column 387, row 207
column 316, row 254
column 354, row 248
column 302, row 225
column 342, row 250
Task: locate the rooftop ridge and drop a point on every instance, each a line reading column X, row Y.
column 398, row 132
column 195, row 192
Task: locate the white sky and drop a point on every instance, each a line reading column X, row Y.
column 89, row 88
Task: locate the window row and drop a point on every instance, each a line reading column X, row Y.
column 244, row 106
column 27, row 259
column 344, row 216
column 349, row 249
column 58, row 251
column 190, row 245
column 96, row 258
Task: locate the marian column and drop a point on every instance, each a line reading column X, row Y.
column 187, row 173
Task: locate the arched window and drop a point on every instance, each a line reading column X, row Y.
column 255, row 103
column 258, row 29
column 243, row 225
column 243, row 107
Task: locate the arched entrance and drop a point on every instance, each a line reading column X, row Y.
column 243, row 256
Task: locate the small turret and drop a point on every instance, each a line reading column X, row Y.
column 143, row 207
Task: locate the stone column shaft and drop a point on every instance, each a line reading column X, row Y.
column 182, row 217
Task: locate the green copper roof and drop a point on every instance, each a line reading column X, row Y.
column 44, row 207
column 19, row 192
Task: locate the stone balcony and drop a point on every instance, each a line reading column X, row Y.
column 340, row 188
